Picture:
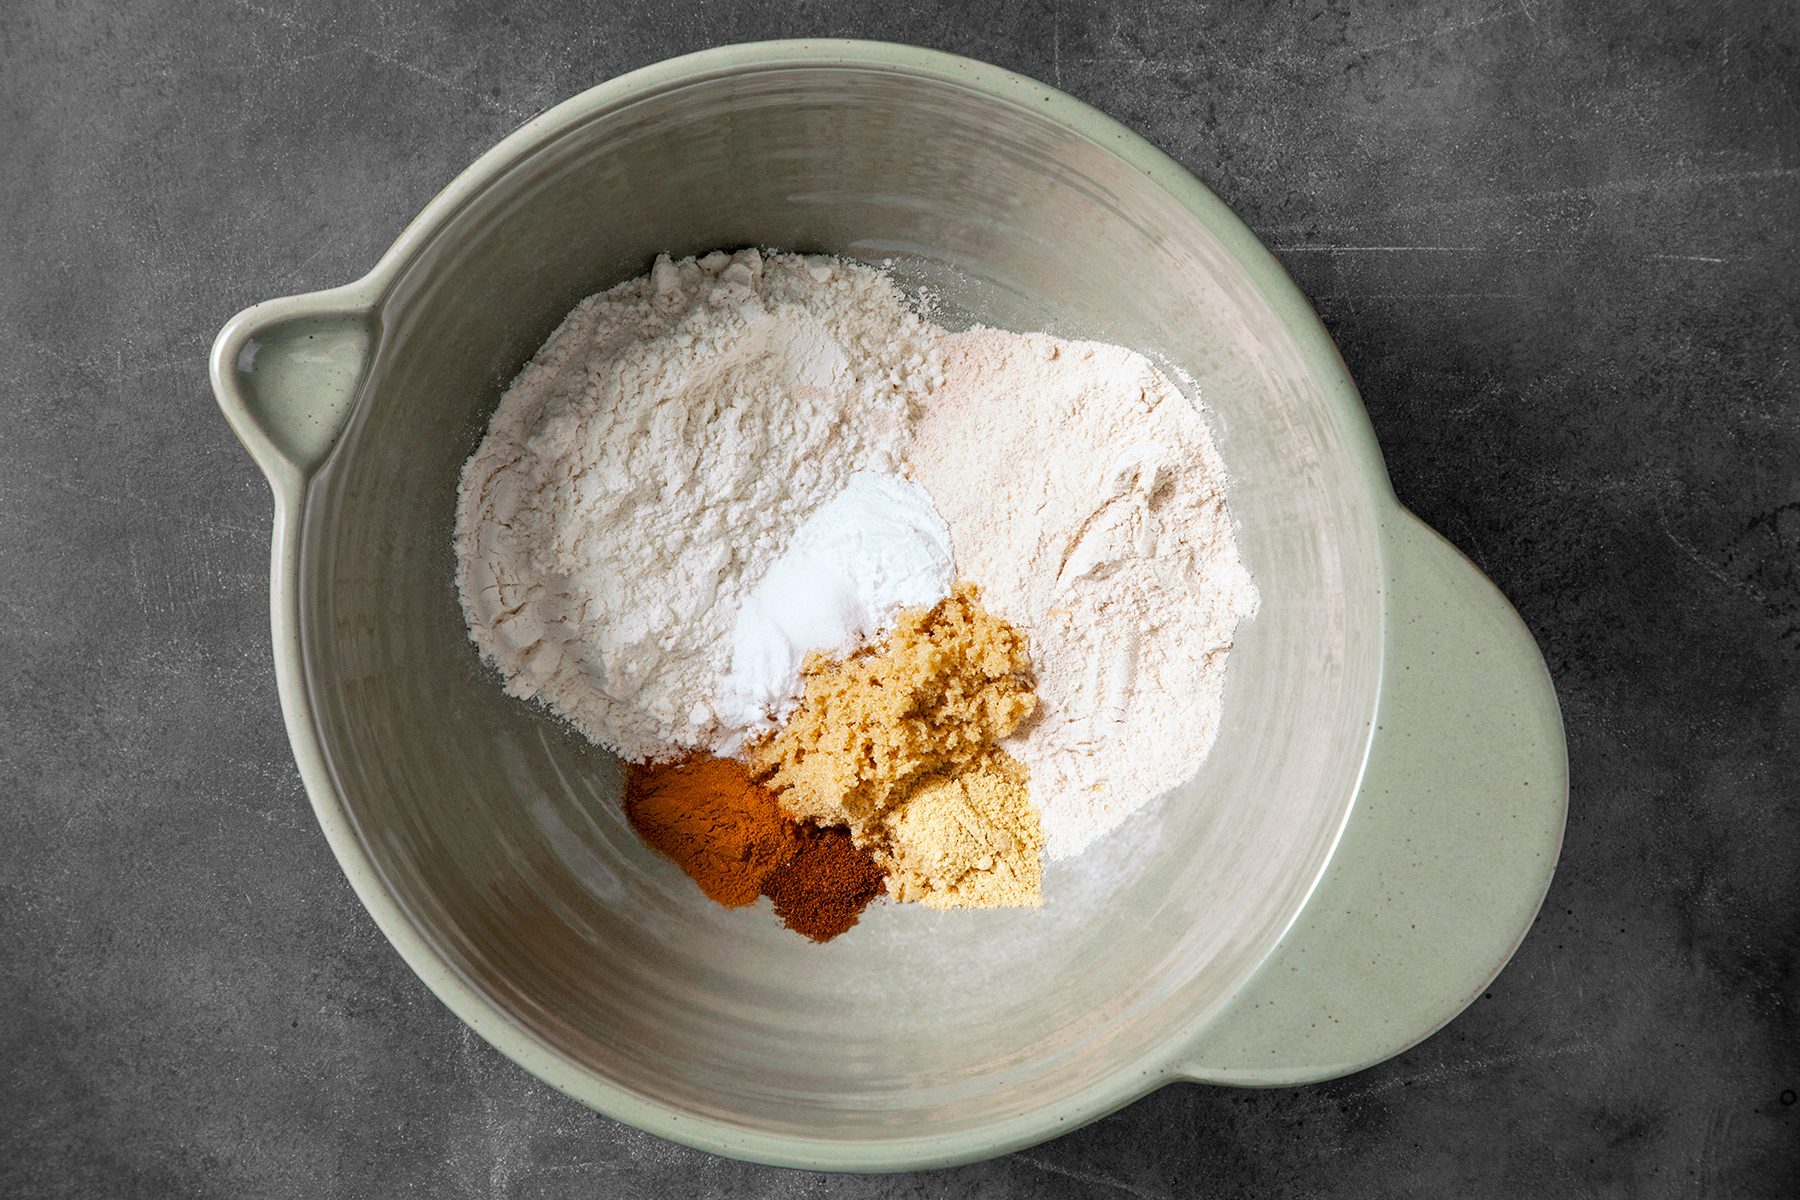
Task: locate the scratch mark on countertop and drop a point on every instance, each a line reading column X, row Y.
column 393, row 60
column 1446, row 1071
column 1421, row 295
column 1652, row 182
column 281, row 19
column 1497, row 199
column 1705, row 564
column 294, row 272
column 1090, row 1177
column 1487, row 18
column 1374, row 249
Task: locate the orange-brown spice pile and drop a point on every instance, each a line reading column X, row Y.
column 713, row 820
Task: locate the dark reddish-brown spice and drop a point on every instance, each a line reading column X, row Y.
column 824, row 887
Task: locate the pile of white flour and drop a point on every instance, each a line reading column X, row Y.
column 653, row 460
column 698, row 480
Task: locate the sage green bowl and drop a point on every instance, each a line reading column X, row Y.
column 1364, row 848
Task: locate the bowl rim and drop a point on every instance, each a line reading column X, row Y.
column 1127, row 1081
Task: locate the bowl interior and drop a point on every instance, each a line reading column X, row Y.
column 500, row 833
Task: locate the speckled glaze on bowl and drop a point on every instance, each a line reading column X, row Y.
column 1359, row 856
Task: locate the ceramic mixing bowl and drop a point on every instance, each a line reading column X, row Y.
column 1359, row 856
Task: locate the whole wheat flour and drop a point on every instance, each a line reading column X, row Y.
column 655, row 458
column 1083, row 493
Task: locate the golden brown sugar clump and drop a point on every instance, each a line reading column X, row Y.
column 899, row 743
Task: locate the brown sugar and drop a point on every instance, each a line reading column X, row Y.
column 916, row 719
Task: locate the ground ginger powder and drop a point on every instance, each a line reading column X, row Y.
column 967, row 840
column 899, row 743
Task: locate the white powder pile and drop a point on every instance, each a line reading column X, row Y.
column 877, row 548
column 1084, row 494
column 652, row 462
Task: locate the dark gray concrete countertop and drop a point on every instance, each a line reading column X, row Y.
column 1557, row 243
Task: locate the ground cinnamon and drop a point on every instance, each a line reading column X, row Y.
column 822, row 890
column 718, row 825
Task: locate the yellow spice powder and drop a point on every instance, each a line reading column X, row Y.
column 969, row 840
column 898, row 742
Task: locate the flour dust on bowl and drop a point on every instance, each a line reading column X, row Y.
column 1361, row 852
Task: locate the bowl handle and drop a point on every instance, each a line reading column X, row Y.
column 1446, row 854
column 287, row 373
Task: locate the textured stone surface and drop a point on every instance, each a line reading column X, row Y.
column 1557, row 244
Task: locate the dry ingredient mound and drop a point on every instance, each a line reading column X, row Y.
column 711, row 819
column 822, row 890
column 875, row 549
column 1083, row 491
column 966, row 839
column 714, row 482
column 899, row 744
column 653, row 460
